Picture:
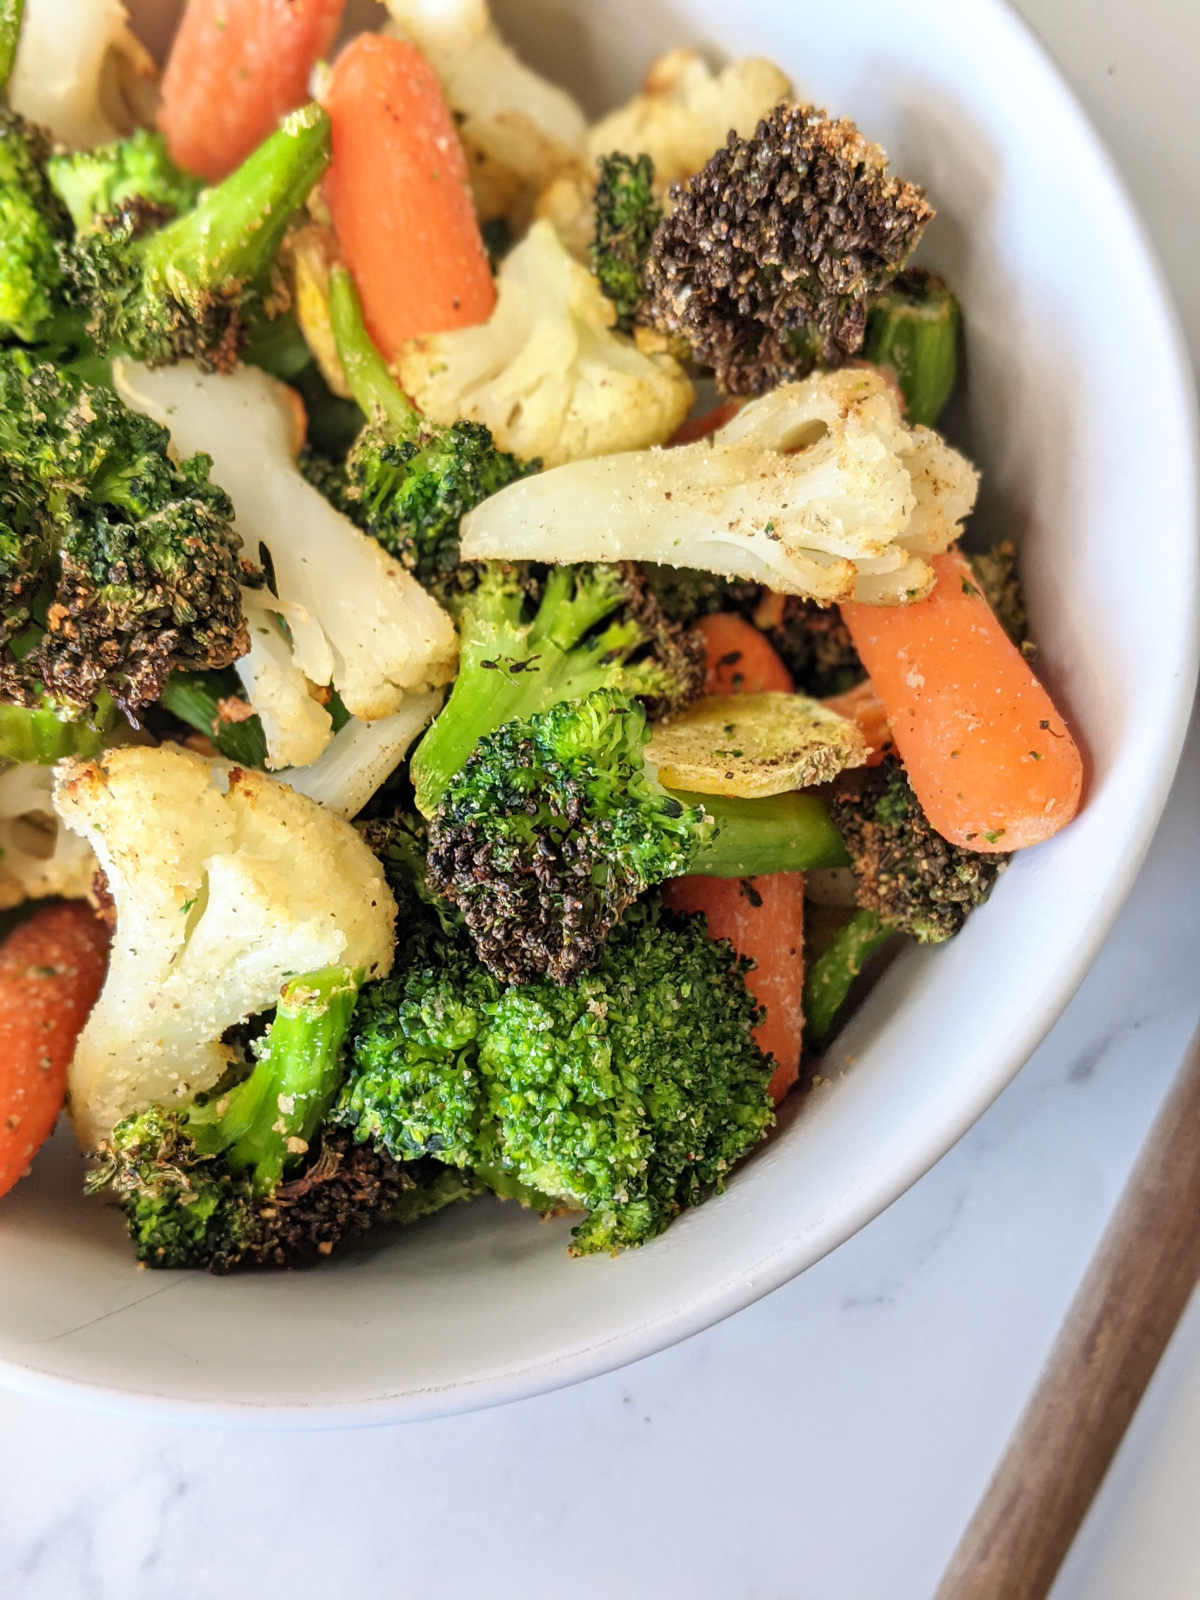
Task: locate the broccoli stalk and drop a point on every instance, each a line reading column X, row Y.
column 627, row 213
column 831, row 976
column 782, row 833
column 912, row 330
column 609, row 1096
column 194, row 286
column 11, row 12
column 202, row 700
column 409, row 482
column 47, row 732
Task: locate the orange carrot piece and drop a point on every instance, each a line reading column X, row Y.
column 235, row 67
column 398, row 190
column 741, row 660
column 51, row 970
column 862, row 706
column 762, row 918
column 990, row 758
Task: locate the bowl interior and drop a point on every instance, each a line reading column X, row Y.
column 483, row 1305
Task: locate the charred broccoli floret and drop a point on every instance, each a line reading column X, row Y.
column 628, row 1095
column 816, row 646
column 912, row 330
column 686, row 594
column 551, row 829
column 117, row 564
column 407, row 482
column 773, row 250
column 33, row 225
column 627, row 213
column 195, row 286
column 915, row 880
column 94, row 184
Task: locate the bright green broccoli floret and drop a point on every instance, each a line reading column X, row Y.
column 32, row 227
column 409, row 482
column 232, row 1180
column 94, row 184
column 628, row 1095
column 196, row 286
column 117, row 564
column 913, row 330
column 627, row 213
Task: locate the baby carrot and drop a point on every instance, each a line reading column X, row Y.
column 862, row 706
column 235, row 67
column 398, row 192
column 740, row 658
column 762, row 918
column 51, row 970
column 990, row 758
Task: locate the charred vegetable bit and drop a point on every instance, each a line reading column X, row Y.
column 117, row 564
column 772, row 252
column 609, row 1097
column 96, row 184
column 407, row 482
column 913, row 332
column 815, row 645
column 627, row 213
column 916, row 881
column 195, row 286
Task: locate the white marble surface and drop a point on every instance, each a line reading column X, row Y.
column 828, row 1443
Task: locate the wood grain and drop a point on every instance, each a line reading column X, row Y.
column 1134, row 1293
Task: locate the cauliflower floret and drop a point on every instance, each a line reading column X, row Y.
column 517, row 129
column 683, row 113
column 546, row 373
column 816, row 489
column 355, row 618
column 38, row 856
column 81, row 72
column 226, row 884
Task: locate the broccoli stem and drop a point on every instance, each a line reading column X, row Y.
column 912, row 328
column 371, row 383
column 235, row 229
column 783, row 833
column 196, row 698
column 45, row 734
column 832, row 974
column 10, row 34
column 266, row 1123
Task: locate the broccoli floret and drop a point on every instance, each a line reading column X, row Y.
column 912, row 330
column 196, row 285
column 408, row 482
column 94, row 184
column 629, row 1095
column 686, row 594
column 238, row 1179
column 117, row 564
column 592, row 627
column 32, row 227
column 914, row 879
column 769, row 258
column 552, row 828
column 627, row 213
column 816, row 647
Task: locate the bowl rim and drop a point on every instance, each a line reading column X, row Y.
column 741, row 1287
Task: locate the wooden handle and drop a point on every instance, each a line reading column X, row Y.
column 1135, row 1291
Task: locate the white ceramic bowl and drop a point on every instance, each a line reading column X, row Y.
column 1079, row 409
